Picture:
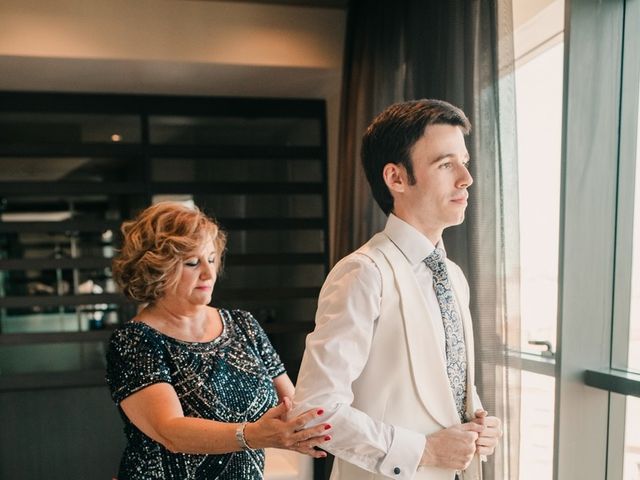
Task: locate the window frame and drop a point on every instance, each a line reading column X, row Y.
column 627, row 164
column 595, row 290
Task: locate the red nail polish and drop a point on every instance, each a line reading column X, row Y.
column 320, row 412
column 327, row 427
column 327, row 438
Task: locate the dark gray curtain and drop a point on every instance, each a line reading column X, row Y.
column 462, row 52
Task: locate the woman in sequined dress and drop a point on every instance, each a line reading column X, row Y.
column 196, row 386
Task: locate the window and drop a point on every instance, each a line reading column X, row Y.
column 632, row 440
column 634, row 313
column 538, row 40
column 598, row 320
column 631, row 462
column 68, row 180
column 536, row 426
column 539, row 116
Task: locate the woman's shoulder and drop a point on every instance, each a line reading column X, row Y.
column 235, row 313
column 133, row 333
column 241, row 320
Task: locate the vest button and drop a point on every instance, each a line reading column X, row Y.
column 397, row 470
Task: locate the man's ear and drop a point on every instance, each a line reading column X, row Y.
column 395, row 177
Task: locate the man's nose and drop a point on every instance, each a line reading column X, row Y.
column 465, row 180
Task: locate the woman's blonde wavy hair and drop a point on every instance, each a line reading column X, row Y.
column 155, row 245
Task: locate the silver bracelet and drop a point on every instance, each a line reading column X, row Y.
column 242, row 442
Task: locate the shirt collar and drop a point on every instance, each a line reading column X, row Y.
column 412, row 243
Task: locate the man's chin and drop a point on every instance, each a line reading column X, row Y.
column 457, row 221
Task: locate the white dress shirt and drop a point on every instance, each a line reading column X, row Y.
column 338, row 349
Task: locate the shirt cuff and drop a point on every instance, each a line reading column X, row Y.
column 403, row 457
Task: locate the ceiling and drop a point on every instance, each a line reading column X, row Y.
column 300, row 3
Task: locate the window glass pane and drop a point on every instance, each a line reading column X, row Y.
column 538, row 52
column 50, row 246
column 55, row 128
column 62, row 279
column 536, row 426
column 634, row 325
column 55, row 261
column 276, row 310
column 91, row 170
column 275, row 241
column 632, row 440
column 62, row 318
column 236, row 170
column 261, row 206
column 51, row 357
column 177, row 130
column 539, row 116
column 272, row 276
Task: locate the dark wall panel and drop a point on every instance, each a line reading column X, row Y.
column 60, row 434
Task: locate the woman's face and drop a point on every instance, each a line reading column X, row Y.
column 198, row 276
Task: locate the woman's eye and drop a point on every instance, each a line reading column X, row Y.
column 212, row 260
column 191, row 263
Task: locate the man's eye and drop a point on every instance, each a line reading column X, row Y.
column 445, row 165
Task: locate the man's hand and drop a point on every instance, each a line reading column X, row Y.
column 452, row 447
column 488, row 438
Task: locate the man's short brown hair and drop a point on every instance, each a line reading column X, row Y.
column 392, row 135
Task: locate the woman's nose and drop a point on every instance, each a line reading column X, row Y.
column 207, row 271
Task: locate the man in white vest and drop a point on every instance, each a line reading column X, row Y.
column 391, row 357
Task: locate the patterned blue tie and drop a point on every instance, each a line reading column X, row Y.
column 453, row 333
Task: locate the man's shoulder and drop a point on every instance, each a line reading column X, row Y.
column 367, row 261
column 359, row 258
column 364, row 261
column 371, row 249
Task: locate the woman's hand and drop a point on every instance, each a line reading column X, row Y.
column 272, row 430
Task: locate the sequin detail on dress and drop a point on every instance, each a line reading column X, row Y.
column 228, row 379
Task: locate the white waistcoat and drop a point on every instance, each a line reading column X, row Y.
column 404, row 381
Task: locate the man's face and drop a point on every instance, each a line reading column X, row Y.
column 438, row 199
